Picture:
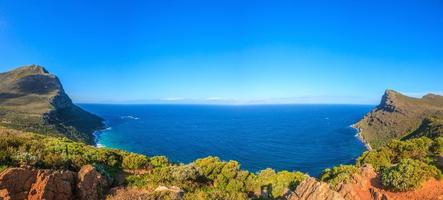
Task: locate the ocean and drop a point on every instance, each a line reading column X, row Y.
column 306, row 138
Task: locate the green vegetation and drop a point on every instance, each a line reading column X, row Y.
column 337, row 175
column 431, row 127
column 202, row 179
column 405, row 164
column 3, row 167
column 379, row 159
column 135, row 161
column 408, row 174
column 215, row 179
column 419, row 149
column 278, row 182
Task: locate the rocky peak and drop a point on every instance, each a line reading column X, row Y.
column 388, row 101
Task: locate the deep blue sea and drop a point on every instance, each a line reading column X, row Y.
column 307, row 138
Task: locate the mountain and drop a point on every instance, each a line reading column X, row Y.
column 399, row 116
column 32, row 99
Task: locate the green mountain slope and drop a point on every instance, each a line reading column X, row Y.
column 32, row 99
column 398, row 116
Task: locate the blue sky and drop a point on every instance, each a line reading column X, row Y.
column 235, row 51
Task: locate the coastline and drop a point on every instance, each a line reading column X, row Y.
column 360, row 137
column 97, row 134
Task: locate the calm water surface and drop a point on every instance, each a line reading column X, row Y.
column 307, row 138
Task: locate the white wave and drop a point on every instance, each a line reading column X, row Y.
column 130, row 117
column 100, row 145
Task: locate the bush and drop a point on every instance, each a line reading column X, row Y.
column 209, row 167
column 408, row 174
column 278, row 182
column 437, row 147
column 337, row 175
column 379, row 159
column 417, row 148
column 215, row 194
column 3, row 167
column 159, row 161
column 135, row 161
column 137, row 181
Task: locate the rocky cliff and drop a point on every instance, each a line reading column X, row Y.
column 398, row 116
column 33, row 99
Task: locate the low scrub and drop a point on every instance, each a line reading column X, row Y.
column 408, row 174
column 337, row 175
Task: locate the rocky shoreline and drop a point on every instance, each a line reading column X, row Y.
column 360, row 137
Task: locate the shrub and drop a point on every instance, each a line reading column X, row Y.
column 215, row 194
column 417, row 148
column 137, row 181
column 209, row 167
column 3, row 167
column 278, row 182
column 159, row 161
column 135, row 161
column 437, row 147
column 337, row 175
column 379, row 159
column 408, row 174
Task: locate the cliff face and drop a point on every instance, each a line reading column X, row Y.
column 397, row 116
column 33, row 99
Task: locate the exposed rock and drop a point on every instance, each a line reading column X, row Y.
column 20, row 183
column 52, row 185
column 15, row 183
column 357, row 188
column 311, row 189
column 37, row 184
column 91, row 184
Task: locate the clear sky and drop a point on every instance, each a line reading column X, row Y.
column 229, row 51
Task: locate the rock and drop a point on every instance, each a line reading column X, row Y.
column 21, row 183
column 52, row 185
column 91, row 184
column 357, row 188
column 311, row 189
column 15, row 183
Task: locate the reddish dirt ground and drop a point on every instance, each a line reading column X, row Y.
column 430, row 190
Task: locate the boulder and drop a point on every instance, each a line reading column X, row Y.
column 15, row 183
column 22, row 183
column 311, row 189
column 91, row 184
column 52, row 185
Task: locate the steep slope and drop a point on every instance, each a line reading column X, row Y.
column 398, row 116
column 33, row 99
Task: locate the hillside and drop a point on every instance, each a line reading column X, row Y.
column 398, row 116
column 32, row 99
